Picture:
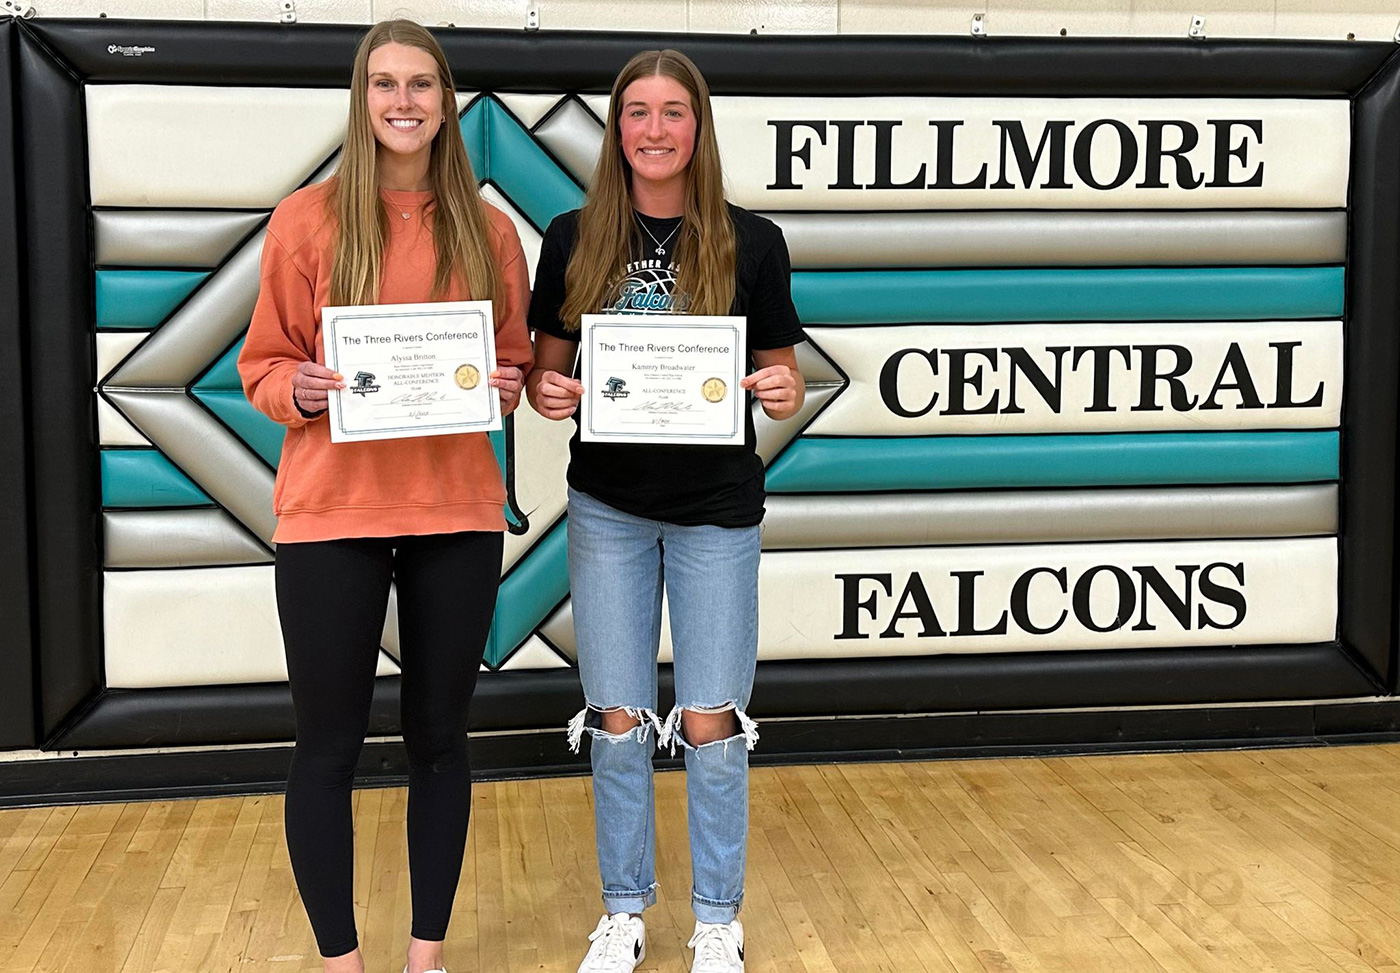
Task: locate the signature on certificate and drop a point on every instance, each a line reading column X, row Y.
column 662, row 408
column 418, row 398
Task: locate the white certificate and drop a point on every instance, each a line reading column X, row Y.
column 411, row 370
column 662, row 378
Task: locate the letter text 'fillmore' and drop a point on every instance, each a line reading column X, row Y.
column 904, row 153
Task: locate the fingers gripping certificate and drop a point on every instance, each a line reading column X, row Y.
column 663, row 378
column 411, row 370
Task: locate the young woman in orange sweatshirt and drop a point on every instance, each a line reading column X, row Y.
column 400, row 222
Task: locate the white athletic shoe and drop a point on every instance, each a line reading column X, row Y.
column 719, row 947
column 618, row 945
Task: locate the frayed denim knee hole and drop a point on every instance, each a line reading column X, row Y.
column 590, row 718
column 671, row 732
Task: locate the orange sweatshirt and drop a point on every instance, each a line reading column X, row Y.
column 384, row 488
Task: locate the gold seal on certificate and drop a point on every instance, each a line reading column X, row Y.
column 466, row 376
column 415, row 370
column 662, row 378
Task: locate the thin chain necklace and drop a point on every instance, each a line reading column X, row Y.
column 412, row 209
column 403, row 209
column 660, row 244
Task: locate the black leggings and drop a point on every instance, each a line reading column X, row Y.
column 331, row 596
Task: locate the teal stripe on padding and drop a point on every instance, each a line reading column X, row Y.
column 248, row 424
column 502, row 151
column 1119, row 294
column 1130, row 459
column 473, row 126
column 145, row 478
column 142, row 298
column 539, row 582
column 223, row 375
column 523, row 170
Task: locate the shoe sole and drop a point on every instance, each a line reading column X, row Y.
column 641, row 957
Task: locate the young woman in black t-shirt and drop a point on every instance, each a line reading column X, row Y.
column 657, row 235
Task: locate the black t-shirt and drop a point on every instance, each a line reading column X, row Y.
column 686, row 485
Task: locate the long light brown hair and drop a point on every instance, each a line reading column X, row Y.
column 608, row 236
column 460, row 225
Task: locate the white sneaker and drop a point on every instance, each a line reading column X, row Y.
column 719, row 947
column 618, row 945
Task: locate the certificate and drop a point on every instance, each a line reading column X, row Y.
column 411, row 370
column 662, row 378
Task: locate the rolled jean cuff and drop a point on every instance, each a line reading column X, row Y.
column 632, row 902
column 711, row 910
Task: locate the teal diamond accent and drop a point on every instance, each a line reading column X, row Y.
column 507, row 155
column 221, row 391
column 473, row 125
column 529, row 593
column 142, row 298
column 235, row 411
column 500, row 151
column 223, row 374
column 145, row 478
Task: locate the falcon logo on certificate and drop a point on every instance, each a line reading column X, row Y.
column 662, row 378
column 424, row 364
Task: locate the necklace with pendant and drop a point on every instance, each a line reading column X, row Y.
column 660, row 244
column 411, row 210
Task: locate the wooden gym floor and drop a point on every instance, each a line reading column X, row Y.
column 1280, row 861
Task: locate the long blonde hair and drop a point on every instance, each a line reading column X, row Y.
column 460, row 225
column 608, row 236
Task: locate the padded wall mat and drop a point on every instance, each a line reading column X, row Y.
column 17, row 726
column 1126, row 304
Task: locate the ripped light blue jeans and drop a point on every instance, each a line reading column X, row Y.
column 618, row 565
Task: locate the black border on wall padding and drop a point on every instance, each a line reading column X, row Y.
column 60, row 301
column 845, row 687
column 1372, row 331
column 17, row 647
column 160, row 776
column 513, row 60
column 59, row 56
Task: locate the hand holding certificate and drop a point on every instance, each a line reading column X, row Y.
column 665, row 378
column 411, row 370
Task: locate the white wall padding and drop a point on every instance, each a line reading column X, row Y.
column 529, row 108
column 114, row 429
column 929, row 380
column 172, row 145
column 1026, row 598
column 530, row 238
column 883, row 152
column 194, row 627
column 843, row 603
column 534, row 654
column 113, row 347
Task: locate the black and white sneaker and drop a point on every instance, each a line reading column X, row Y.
column 616, row 946
column 719, row 947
